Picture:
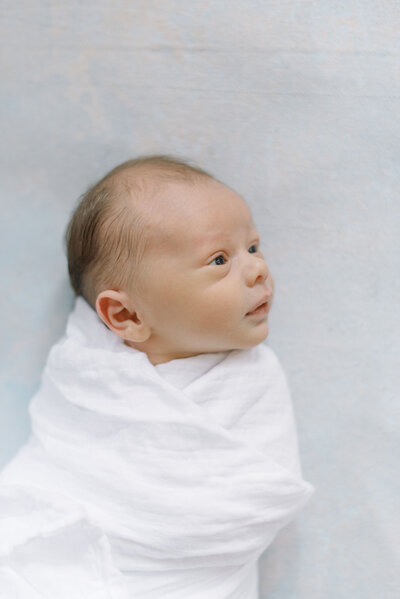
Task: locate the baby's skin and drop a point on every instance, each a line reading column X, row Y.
column 205, row 286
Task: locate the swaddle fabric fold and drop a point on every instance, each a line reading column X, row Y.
column 148, row 481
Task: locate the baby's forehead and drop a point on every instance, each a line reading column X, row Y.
column 182, row 213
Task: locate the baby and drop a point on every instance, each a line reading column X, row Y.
column 163, row 458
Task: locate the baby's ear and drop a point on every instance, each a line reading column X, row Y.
column 116, row 311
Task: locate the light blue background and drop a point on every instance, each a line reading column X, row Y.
column 296, row 105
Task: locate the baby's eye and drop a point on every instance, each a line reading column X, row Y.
column 219, row 260
column 253, row 249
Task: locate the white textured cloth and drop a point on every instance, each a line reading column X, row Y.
column 139, row 481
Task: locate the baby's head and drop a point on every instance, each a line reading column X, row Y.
column 169, row 258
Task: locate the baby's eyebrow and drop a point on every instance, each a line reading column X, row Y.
column 251, row 227
column 209, row 239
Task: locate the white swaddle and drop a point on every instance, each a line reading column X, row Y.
column 148, row 481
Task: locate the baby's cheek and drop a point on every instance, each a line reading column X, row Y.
column 218, row 312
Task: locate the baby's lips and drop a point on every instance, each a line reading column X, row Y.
column 261, row 302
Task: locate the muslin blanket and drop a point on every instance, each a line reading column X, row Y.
column 138, row 481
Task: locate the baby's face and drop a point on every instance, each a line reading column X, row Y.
column 203, row 273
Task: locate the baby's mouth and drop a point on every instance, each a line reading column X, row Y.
column 261, row 309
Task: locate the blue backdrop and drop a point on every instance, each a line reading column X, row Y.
column 295, row 105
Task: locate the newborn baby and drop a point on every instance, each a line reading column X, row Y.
column 163, row 458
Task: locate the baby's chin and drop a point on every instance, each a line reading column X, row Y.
column 252, row 338
column 257, row 335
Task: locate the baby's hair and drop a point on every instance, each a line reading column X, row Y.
column 105, row 237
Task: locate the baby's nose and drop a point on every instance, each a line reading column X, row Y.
column 257, row 271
